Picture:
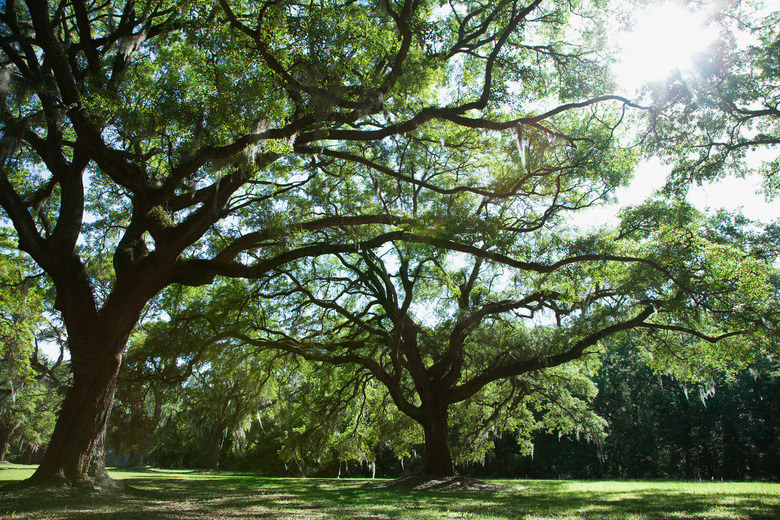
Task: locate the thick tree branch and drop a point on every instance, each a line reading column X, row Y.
column 463, row 327
column 508, row 369
column 693, row 332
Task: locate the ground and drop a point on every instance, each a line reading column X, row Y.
column 187, row 495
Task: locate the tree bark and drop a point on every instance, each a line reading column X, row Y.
column 76, row 452
column 5, row 437
column 438, row 459
column 217, row 440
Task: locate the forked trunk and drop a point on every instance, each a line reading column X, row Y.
column 438, row 459
column 75, row 454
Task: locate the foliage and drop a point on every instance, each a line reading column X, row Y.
column 514, row 343
column 175, row 387
column 397, row 200
column 21, row 308
column 723, row 428
column 223, row 399
column 661, row 427
column 148, row 146
column 721, row 118
column 486, row 339
column 28, row 397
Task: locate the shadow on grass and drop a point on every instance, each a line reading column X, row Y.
column 196, row 496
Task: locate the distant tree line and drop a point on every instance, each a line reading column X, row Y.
column 660, row 427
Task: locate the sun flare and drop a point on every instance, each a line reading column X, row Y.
column 664, row 38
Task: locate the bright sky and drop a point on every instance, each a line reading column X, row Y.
column 665, row 38
column 731, row 194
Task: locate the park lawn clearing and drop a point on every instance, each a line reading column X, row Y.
column 190, row 495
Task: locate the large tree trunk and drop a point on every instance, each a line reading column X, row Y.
column 76, row 452
column 217, row 440
column 438, row 459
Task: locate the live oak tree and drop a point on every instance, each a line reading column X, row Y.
column 327, row 416
column 318, row 412
column 150, row 144
column 222, row 400
column 474, row 336
column 186, row 368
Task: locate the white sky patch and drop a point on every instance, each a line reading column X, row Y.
column 664, row 38
column 732, row 194
column 736, row 194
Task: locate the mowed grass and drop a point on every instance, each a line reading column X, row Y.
column 187, row 495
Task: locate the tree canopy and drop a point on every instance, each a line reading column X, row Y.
column 475, row 338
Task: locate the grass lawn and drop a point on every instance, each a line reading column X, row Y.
column 187, row 495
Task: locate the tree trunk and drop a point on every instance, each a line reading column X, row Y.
column 5, row 437
column 438, row 459
column 76, row 452
column 217, row 440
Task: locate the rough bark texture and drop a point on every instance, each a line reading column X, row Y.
column 438, row 459
column 76, row 453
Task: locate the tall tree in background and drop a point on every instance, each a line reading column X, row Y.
column 151, row 144
column 28, row 381
column 222, row 399
column 466, row 333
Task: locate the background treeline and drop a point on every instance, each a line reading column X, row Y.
column 662, row 428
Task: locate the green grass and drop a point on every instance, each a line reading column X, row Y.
column 187, row 495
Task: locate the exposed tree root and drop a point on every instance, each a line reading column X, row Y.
column 422, row 481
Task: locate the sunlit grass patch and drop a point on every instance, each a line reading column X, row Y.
column 196, row 495
column 15, row 472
